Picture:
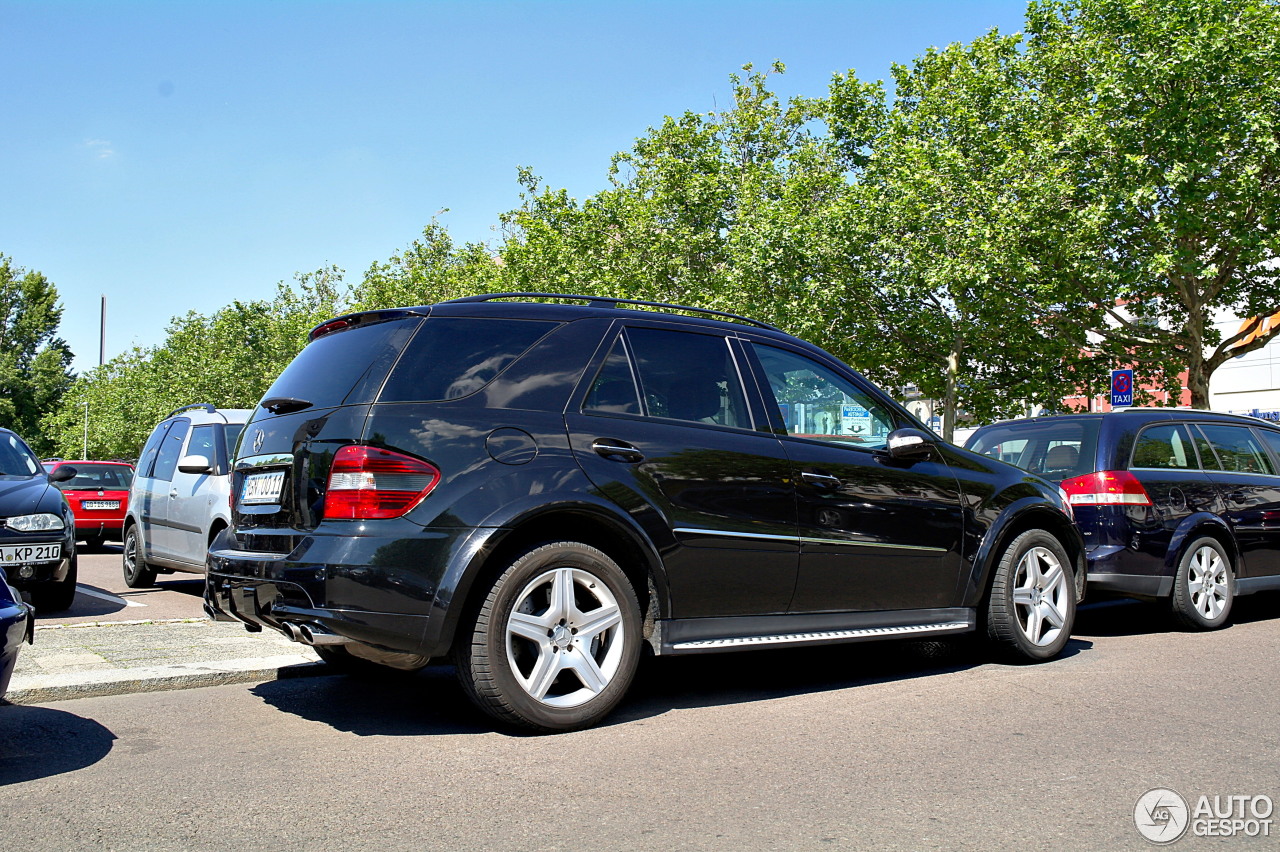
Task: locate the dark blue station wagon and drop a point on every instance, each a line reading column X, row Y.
column 1176, row 506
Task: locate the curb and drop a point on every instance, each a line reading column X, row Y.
column 60, row 687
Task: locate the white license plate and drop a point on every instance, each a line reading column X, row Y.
column 262, row 488
column 100, row 504
column 19, row 554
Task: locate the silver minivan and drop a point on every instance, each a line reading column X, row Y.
column 178, row 501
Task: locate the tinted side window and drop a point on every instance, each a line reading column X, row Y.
column 344, row 366
column 170, row 450
column 614, row 390
column 1271, row 439
column 818, row 403
column 1238, row 450
column 451, row 357
column 232, row 432
column 1166, row 446
column 202, row 443
column 149, row 450
column 688, row 376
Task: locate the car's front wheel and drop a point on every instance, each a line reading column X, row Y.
column 137, row 573
column 1203, row 589
column 555, row 643
column 1032, row 606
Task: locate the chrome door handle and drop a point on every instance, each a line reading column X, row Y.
column 613, row 449
column 821, row 480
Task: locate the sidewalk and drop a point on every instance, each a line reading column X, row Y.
column 121, row 657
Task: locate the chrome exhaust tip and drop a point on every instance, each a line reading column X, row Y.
column 291, row 630
column 314, row 634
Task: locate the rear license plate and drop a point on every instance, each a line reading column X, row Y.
column 100, row 504
column 262, row 488
column 18, row 554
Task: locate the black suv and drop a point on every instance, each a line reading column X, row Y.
column 1176, row 506
column 535, row 485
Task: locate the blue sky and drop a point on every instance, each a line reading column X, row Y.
column 177, row 156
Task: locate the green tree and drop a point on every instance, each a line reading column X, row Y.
column 228, row 358
column 711, row 209
column 1166, row 116
column 431, row 269
column 34, row 361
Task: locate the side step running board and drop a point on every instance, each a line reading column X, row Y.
column 818, row 636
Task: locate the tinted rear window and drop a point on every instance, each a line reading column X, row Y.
column 451, row 357
column 1055, row 449
column 104, row 476
column 344, row 366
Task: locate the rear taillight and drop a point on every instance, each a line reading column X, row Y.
column 367, row 483
column 1106, row 488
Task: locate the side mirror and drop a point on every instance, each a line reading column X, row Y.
column 62, row 473
column 195, row 464
column 910, row 443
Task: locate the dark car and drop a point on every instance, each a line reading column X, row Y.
column 534, row 489
column 16, row 626
column 1176, row 506
column 37, row 529
column 98, row 494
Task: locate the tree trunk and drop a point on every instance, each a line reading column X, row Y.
column 951, row 403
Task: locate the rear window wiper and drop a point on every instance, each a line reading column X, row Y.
column 284, row 404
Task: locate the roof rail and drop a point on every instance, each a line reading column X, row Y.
column 608, row 302
column 210, row 409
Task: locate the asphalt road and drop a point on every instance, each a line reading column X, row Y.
column 101, row 594
column 873, row 746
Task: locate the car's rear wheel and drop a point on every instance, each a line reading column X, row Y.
column 56, row 596
column 555, row 643
column 137, row 573
column 1032, row 606
column 1203, row 589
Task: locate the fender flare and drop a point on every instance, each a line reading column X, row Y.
column 1012, row 516
column 471, row 559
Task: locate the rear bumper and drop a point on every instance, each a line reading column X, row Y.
column 1111, row 571
column 391, row 592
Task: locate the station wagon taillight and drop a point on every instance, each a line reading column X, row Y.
column 368, row 483
column 1106, row 488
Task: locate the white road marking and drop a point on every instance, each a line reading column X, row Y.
column 94, row 593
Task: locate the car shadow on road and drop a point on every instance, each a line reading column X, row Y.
column 1122, row 617
column 432, row 702
column 390, row 704
column 40, row 742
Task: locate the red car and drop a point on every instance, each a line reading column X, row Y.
column 99, row 497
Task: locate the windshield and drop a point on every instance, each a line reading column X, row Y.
column 1054, row 449
column 16, row 459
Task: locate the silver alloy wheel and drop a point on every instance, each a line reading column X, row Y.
column 1040, row 590
column 564, row 637
column 1207, row 582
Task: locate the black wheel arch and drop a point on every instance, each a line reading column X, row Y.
column 596, row 525
column 1023, row 515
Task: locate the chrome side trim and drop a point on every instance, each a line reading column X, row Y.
column 823, row 636
column 726, row 534
column 852, row 543
column 809, row 540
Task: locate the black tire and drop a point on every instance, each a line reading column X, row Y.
column 56, row 596
column 534, row 659
column 1032, row 605
column 137, row 573
column 1194, row 604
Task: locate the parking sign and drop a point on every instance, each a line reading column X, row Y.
column 1121, row 388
